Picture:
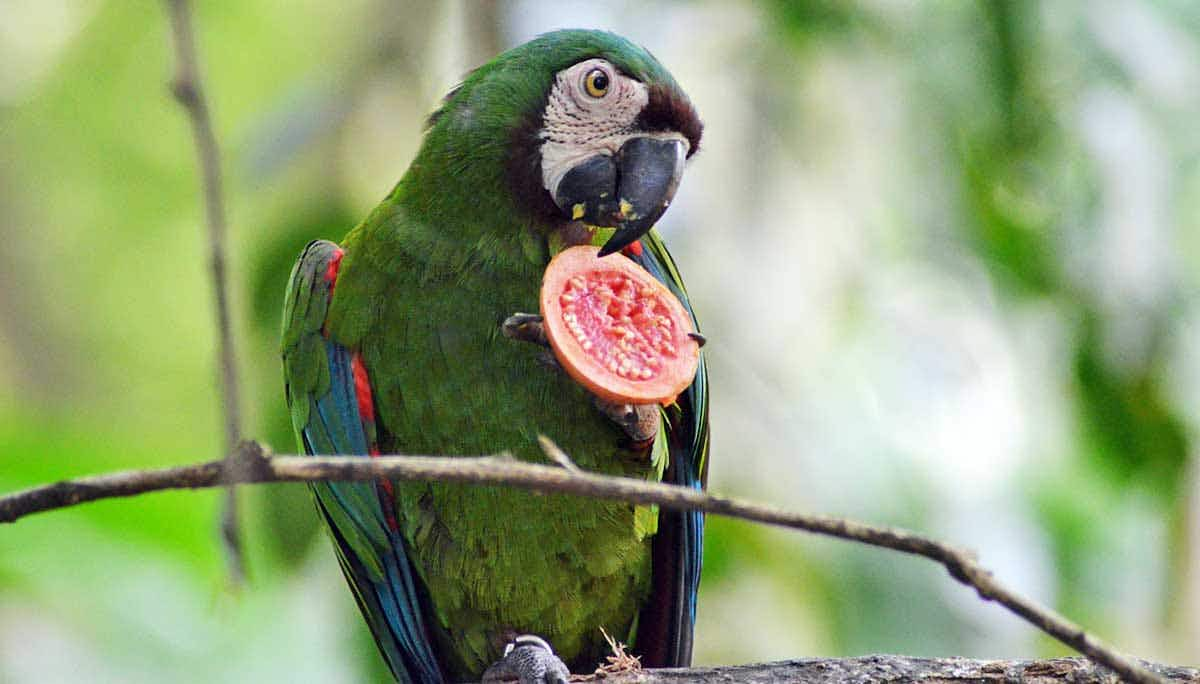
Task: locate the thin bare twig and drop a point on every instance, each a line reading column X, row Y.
column 555, row 453
column 187, row 89
column 504, row 470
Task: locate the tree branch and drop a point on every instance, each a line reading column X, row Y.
column 901, row 670
column 254, row 466
column 190, row 94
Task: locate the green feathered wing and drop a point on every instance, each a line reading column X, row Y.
column 326, row 414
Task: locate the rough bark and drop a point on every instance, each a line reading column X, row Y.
column 895, row 669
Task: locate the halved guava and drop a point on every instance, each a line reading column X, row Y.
column 616, row 329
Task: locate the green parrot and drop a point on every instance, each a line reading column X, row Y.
column 405, row 339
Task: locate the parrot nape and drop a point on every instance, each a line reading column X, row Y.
column 404, row 339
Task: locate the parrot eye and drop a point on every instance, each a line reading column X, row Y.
column 596, row 83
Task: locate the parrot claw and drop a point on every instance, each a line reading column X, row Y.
column 528, row 659
column 640, row 421
column 525, row 327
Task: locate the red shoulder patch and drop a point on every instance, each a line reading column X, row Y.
column 331, row 271
column 366, row 411
column 362, row 389
column 331, row 276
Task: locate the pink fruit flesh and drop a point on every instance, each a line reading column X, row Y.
column 624, row 329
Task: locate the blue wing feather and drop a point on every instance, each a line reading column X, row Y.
column 372, row 555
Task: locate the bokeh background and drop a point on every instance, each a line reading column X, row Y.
column 946, row 254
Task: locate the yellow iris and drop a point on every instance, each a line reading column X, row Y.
column 596, row 83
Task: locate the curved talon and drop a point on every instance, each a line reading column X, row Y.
column 640, row 421
column 528, row 640
column 525, row 327
column 547, row 359
column 529, row 659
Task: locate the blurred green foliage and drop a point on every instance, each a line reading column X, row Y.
column 106, row 346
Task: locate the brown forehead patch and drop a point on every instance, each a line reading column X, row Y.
column 670, row 110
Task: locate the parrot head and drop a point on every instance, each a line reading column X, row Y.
column 612, row 145
column 587, row 126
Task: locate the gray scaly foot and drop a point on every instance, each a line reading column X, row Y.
column 528, row 659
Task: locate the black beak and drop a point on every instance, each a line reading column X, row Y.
column 629, row 191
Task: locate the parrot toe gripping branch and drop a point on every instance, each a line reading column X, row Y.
column 402, row 339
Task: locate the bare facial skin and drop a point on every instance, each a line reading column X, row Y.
column 582, row 119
